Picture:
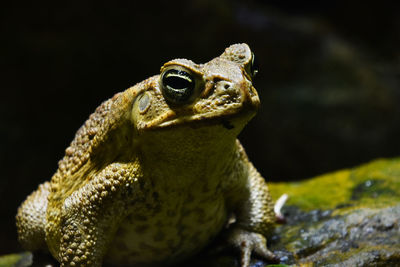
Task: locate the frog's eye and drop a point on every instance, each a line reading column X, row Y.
column 253, row 66
column 177, row 86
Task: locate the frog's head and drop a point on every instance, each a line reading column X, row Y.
column 219, row 92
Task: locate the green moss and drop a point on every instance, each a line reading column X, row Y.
column 319, row 193
column 357, row 187
column 20, row 259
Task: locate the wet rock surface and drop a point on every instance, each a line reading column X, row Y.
column 346, row 218
column 363, row 237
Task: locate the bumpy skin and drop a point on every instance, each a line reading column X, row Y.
column 147, row 182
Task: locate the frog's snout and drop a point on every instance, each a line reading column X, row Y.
column 250, row 97
column 228, row 92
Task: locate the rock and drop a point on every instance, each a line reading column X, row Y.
column 346, row 218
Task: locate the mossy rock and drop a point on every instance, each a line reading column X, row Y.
column 376, row 184
column 18, row 259
column 346, row 218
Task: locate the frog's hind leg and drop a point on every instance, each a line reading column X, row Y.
column 31, row 219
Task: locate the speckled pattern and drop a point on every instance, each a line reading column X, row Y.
column 146, row 182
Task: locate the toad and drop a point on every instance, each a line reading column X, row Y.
column 156, row 171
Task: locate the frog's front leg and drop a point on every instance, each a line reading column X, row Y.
column 255, row 215
column 91, row 215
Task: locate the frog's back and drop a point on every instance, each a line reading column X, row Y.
column 96, row 145
column 90, row 151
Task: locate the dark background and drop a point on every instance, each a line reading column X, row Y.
column 329, row 79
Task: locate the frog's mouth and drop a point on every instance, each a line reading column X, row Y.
column 228, row 119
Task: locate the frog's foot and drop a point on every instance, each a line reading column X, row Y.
column 248, row 242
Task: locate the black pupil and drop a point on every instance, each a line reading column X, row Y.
column 178, row 86
column 177, row 79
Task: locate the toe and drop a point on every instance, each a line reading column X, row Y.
column 245, row 254
column 248, row 242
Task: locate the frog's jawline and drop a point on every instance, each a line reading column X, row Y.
column 227, row 120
